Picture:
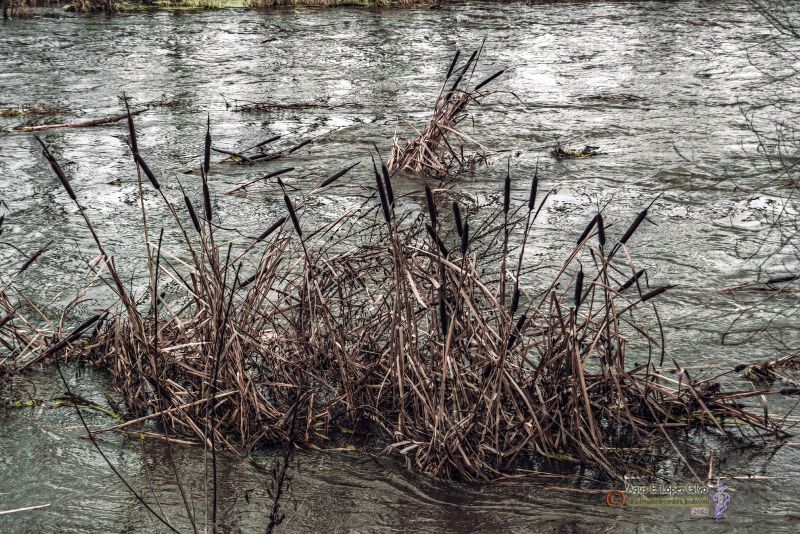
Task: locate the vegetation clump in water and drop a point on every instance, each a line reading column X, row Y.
column 392, row 322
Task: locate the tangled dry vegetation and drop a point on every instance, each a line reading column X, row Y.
column 438, row 150
column 409, row 325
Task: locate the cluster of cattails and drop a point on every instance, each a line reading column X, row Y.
column 410, row 331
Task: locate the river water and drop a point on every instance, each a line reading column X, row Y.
column 660, row 87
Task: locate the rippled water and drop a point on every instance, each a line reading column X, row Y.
column 685, row 62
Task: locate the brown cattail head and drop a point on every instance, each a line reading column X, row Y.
column 656, row 292
column 192, row 214
column 431, row 205
column 293, row 215
column 32, row 259
column 452, row 65
column 206, row 196
column 2, row 218
column 299, row 146
column 460, row 76
column 601, row 230
column 465, row 238
column 387, row 181
column 507, row 190
column 579, row 289
column 207, row 151
column 457, row 217
column 534, row 187
column 249, row 280
column 57, row 169
column 443, row 315
column 488, row 80
column 267, row 141
column 515, row 300
column 146, row 170
column 333, row 178
column 277, row 224
column 512, row 340
column 629, row 232
column 587, row 229
column 279, row 172
column 131, row 128
column 387, row 215
column 437, row 240
column 632, row 280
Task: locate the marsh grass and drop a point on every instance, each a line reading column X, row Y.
column 406, row 323
column 372, row 323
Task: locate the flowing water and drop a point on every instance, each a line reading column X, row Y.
column 660, row 87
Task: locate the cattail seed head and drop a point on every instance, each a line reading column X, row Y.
column 298, row 146
column 534, row 187
column 452, row 65
column 192, row 214
column 333, row 178
column 656, row 292
column 579, row 288
column 207, row 148
column 146, row 170
column 277, row 224
column 588, row 229
column 632, row 280
column 387, row 180
column 31, row 260
column 601, row 230
column 431, row 205
column 457, row 217
column 387, row 215
column 436, row 239
column 517, row 331
column 633, row 227
column 206, row 196
column 507, row 190
column 488, row 80
column 515, row 300
column 57, row 169
column 131, row 128
column 443, row 316
column 293, row 215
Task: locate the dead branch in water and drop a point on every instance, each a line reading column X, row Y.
column 78, row 124
column 252, row 107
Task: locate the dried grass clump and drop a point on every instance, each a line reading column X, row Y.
column 396, row 323
column 332, row 3
column 438, row 150
column 18, row 332
column 95, row 6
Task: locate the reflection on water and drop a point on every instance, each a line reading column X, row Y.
column 653, row 84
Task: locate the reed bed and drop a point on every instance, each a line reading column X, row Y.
column 403, row 323
column 332, row 3
column 95, row 6
column 437, row 151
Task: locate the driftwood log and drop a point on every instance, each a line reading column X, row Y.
column 77, row 124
